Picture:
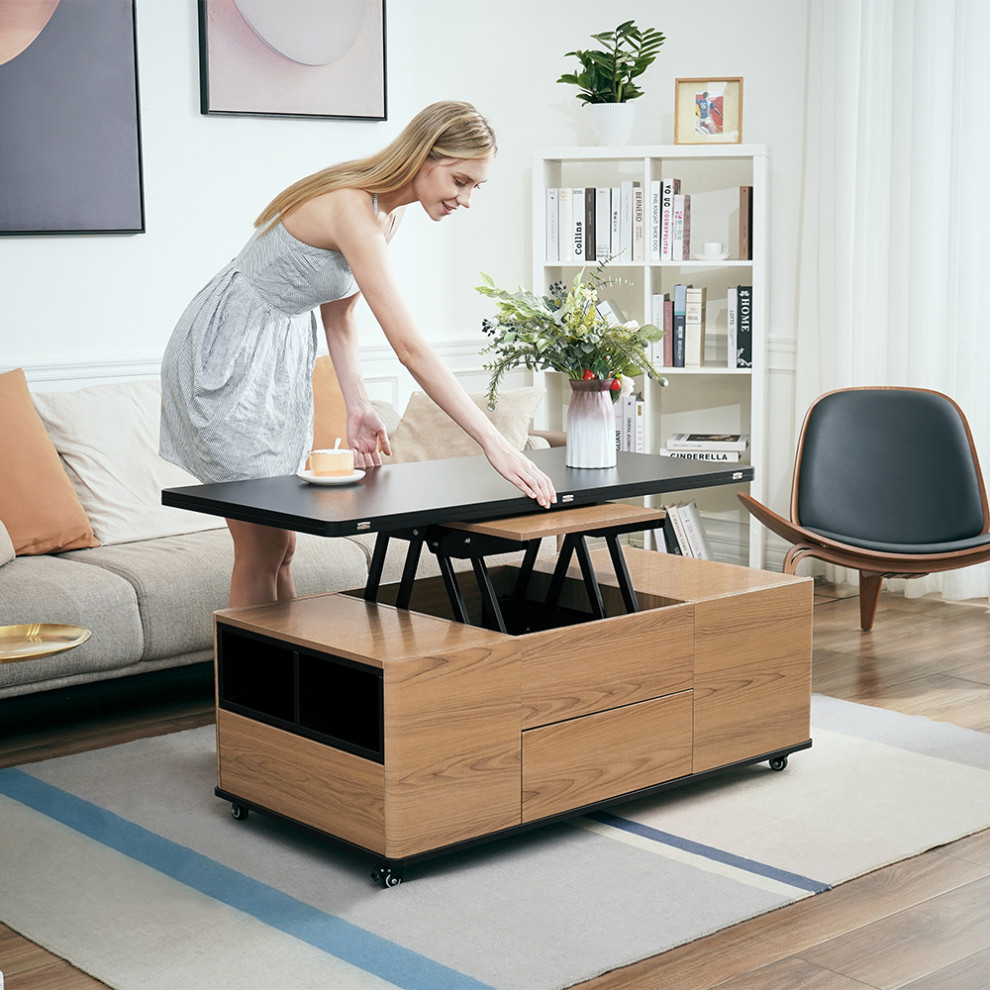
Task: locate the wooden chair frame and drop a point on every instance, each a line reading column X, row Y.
column 873, row 565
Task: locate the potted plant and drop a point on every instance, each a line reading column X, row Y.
column 565, row 331
column 605, row 80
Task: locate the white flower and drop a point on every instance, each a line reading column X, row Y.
column 627, row 385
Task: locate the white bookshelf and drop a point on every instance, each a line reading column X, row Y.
column 713, row 397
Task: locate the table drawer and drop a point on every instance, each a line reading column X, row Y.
column 574, row 671
column 584, row 760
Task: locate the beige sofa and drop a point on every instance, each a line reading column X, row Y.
column 87, row 541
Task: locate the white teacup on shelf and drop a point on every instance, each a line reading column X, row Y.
column 712, row 251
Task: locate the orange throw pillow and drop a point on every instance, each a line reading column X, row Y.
column 38, row 504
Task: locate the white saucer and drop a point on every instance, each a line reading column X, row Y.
column 710, row 257
column 332, row 479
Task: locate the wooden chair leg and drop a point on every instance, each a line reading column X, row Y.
column 869, row 596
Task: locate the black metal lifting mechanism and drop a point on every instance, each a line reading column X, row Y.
column 450, row 543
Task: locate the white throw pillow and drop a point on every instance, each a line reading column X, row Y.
column 6, row 546
column 107, row 436
column 426, row 432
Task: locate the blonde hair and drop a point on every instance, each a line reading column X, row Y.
column 447, row 129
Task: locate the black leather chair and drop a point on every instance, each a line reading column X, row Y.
column 886, row 481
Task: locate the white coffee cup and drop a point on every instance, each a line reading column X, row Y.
column 715, row 249
column 338, row 462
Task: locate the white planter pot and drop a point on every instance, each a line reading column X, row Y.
column 612, row 123
column 590, row 425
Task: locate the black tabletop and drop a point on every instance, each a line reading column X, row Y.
column 423, row 493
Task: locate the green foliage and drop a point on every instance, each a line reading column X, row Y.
column 606, row 76
column 563, row 332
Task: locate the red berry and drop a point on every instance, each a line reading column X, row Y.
column 616, row 385
column 588, row 374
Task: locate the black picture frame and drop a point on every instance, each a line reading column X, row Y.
column 284, row 58
column 70, row 152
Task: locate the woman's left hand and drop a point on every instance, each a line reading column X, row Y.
column 367, row 437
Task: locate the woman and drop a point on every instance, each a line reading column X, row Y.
column 236, row 376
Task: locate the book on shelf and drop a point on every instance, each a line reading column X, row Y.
column 639, row 224
column 694, row 529
column 630, row 424
column 695, row 303
column 746, row 223
column 731, row 319
column 708, row 441
column 656, row 215
column 615, row 239
column 658, row 307
column 553, row 234
column 577, row 224
column 674, row 533
column 603, row 223
column 679, row 314
column 565, row 215
column 590, row 216
column 744, row 326
column 723, row 456
column 668, row 190
column 624, row 249
column 680, row 249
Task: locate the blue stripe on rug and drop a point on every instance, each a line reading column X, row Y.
column 710, row 852
column 400, row 966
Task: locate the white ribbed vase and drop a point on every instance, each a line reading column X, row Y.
column 611, row 123
column 590, row 425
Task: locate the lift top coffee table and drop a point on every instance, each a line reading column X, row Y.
column 406, row 733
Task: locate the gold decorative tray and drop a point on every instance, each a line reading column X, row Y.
column 38, row 639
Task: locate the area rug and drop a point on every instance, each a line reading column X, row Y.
column 122, row 861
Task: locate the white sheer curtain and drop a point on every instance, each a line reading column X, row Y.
column 894, row 265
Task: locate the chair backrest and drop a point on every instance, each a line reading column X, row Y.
column 892, row 465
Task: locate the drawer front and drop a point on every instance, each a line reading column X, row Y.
column 335, row 792
column 585, row 760
column 578, row 670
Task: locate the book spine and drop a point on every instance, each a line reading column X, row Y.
column 656, row 318
column 590, row 216
column 744, row 327
column 668, row 333
column 639, row 224
column 565, row 207
column 626, row 221
column 746, row 223
column 577, row 225
column 615, row 240
column 694, row 326
column 694, row 530
column 669, row 536
column 553, row 234
column 674, row 515
column 680, row 301
column 603, row 223
column 640, row 428
column 669, row 188
column 731, row 314
column 656, row 196
column 723, row 456
column 703, row 441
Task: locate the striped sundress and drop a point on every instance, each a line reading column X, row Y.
column 237, row 398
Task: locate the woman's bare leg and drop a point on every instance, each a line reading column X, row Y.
column 262, row 559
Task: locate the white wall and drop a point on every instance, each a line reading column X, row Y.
column 96, row 299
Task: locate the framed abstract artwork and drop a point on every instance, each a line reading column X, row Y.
column 708, row 111
column 70, row 141
column 293, row 58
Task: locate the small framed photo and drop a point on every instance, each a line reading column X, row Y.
column 708, row 111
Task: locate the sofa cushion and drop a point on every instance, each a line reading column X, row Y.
column 57, row 589
column 426, row 432
column 107, row 436
column 37, row 503
column 180, row 581
column 6, row 546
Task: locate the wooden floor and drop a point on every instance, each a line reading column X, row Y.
column 921, row 924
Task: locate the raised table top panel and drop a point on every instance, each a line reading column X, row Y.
column 424, row 493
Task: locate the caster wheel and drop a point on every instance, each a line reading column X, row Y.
column 778, row 763
column 385, row 876
column 237, row 812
